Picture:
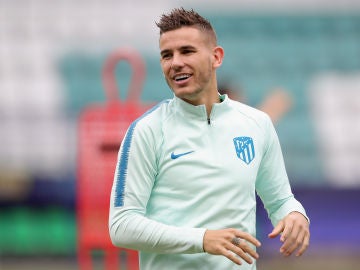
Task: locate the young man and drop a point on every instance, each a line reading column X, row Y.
column 188, row 169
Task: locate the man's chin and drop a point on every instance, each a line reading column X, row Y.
column 184, row 94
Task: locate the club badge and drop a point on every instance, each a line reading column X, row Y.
column 244, row 147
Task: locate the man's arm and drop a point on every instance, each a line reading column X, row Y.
column 286, row 213
column 133, row 182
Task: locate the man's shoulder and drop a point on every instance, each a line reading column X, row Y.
column 154, row 116
column 249, row 112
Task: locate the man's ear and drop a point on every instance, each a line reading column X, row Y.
column 218, row 56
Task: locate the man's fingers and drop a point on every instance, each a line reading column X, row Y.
column 247, row 249
column 232, row 256
column 249, row 238
column 291, row 244
column 231, row 243
column 295, row 235
column 290, row 237
column 304, row 245
column 243, row 249
column 287, row 231
column 242, row 254
column 301, row 243
column 294, row 241
column 277, row 230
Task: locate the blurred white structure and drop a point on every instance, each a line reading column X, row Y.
column 335, row 107
column 36, row 134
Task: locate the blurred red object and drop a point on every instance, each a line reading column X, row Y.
column 101, row 130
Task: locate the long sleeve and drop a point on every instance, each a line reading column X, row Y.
column 134, row 179
column 272, row 182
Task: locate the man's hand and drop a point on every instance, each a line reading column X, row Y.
column 231, row 243
column 295, row 234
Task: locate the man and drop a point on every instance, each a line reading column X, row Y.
column 188, row 169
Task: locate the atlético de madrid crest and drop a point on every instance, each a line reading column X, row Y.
column 244, row 147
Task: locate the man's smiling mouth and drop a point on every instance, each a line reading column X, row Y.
column 181, row 77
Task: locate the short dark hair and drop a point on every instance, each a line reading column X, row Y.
column 179, row 17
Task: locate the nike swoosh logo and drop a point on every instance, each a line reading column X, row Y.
column 175, row 156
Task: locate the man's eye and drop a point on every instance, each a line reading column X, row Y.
column 165, row 56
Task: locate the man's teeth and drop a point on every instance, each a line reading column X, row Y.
column 182, row 77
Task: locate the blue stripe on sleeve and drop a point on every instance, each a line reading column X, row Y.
column 124, row 158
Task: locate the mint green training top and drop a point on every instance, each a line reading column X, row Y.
column 180, row 173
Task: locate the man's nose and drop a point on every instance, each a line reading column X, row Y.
column 177, row 62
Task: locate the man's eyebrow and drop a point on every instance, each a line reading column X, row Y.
column 186, row 47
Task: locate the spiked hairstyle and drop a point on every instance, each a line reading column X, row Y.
column 179, row 17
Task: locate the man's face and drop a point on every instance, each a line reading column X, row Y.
column 188, row 62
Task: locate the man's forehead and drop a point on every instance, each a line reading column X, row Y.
column 185, row 36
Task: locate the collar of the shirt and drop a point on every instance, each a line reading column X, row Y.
column 199, row 111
